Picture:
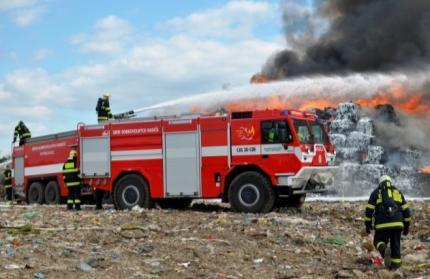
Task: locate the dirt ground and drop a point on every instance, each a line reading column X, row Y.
column 207, row 241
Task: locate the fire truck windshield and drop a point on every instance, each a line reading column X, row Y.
column 319, row 133
column 303, row 131
column 310, row 132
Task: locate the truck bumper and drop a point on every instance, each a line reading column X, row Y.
column 308, row 179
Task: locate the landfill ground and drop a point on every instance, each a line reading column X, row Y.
column 321, row 240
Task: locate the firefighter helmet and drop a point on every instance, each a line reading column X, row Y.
column 73, row 153
column 106, row 95
column 385, row 178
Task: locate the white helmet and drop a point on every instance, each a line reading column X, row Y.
column 385, row 178
column 106, row 95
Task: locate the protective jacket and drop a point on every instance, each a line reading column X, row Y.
column 7, row 178
column 22, row 132
column 388, row 208
column 103, row 110
column 71, row 173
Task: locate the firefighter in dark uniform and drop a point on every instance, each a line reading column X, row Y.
column 103, row 108
column 391, row 214
column 22, row 132
column 7, row 173
column 72, row 179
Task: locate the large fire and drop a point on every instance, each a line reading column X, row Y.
column 425, row 169
column 398, row 95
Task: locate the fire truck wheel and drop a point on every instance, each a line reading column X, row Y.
column 132, row 190
column 251, row 192
column 52, row 193
column 35, row 193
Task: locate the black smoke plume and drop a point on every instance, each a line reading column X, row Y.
column 362, row 36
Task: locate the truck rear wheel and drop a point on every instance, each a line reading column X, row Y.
column 132, row 190
column 251, row 192
column 52, row 193
column 35, row 193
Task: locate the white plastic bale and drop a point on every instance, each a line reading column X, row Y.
column 338, row 140
column 359, row 140
column 348, row 111
column 342, row 126
column 365, row 126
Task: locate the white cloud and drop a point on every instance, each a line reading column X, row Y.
column 26, row 17
column 14, row 4
column 235, row 19
column 41, row 54
column 110, row 36
column 142, row 71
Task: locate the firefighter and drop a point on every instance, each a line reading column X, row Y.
column 390, row 212
column 103, row 108
column 7, row 173
column 72, row 179
column 22, row 132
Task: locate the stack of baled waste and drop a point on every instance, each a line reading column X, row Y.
column 363, row 155
column 358, row 157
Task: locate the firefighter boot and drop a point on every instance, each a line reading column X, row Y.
column 78, row 205
column 69, row 204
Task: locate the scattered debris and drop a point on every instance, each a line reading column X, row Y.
column 322, row 240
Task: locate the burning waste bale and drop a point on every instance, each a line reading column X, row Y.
column 363, row 155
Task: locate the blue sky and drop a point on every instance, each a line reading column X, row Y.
column 57, row 57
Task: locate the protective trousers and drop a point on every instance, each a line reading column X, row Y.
column 9, row 192
column 74, row 197
column 393, row 237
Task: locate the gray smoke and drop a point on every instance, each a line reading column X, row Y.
column 362, row 36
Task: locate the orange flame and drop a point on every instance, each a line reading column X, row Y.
column 425, row 169
column 398, row 95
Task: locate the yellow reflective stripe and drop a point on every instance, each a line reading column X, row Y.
column 379, row 244
column 390, row 194
column 388, row 184
column 408, row 219
column 26, row 134
column 102, row 118
column 397, row 261
column 389, row 225
column 69, row 201
column 70, row 170
column 405, row 206
column 69, row 165
column 77, row 201
column 73, row 183
column 397, row 196
column 370, row 206
column 8, row 186
column 367, row 219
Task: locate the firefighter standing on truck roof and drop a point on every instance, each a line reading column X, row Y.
column 7, row 173
column 392, row 216
column 22, row 132
column 103, row 108
column 72, row 179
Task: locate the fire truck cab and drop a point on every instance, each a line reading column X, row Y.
column 254, row 160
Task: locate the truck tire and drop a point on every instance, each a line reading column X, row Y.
column 52, row 193
column 175, row 203
column 132, row 190
column 35, row 193
column 251, row 192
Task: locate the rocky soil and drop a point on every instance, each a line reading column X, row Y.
column 207, row 241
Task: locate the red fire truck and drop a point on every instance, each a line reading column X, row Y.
column 253, row 159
